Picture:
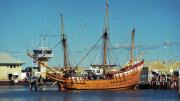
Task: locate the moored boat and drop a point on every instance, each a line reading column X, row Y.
column 124, row 78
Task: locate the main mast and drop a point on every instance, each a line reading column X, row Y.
column 105, row 36
column 64, row 43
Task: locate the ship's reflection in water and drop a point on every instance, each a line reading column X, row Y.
column 19, row 93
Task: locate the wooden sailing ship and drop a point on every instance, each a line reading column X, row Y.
column 125, row 78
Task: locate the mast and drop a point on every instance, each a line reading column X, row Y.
column 105, row 36
column 105, row 39
column 132, row 46
column 64, row 43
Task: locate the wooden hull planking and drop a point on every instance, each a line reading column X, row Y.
column 124, row 80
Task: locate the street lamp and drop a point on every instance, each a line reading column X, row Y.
column 178, row 60
column 165, row 47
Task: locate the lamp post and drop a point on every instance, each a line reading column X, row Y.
column 165, row 72
column 178, row 61
column 179, row 75
column 171, row 68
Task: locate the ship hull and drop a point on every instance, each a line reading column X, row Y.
column 123, row 80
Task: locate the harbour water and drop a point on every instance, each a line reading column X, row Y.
column 22, row 93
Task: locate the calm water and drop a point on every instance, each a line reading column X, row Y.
column 21, row 93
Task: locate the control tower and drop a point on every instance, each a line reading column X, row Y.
column 43, row 54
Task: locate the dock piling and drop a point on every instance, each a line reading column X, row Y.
column 179, row 84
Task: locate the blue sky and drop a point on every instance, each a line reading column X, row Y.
column 24, row 22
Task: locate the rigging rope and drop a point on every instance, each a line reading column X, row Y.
column 89, row 51
column 53, row 24
column 57, row 44
column 73, row 59
column 122, row 49
column 112, row 55
column 96, row 58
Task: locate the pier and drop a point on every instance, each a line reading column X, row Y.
column 158, row 85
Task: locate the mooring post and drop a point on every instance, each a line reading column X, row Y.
column 61, row 87
column 179, row 82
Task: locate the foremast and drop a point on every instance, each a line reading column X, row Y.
column 64, row 44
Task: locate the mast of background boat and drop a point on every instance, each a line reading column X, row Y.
column 64, row 43
column 105, row 38
column 132, row 46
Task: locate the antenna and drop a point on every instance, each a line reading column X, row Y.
column 27, row 47
column 42, row 40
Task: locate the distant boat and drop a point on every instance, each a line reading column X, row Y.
column 125, row 78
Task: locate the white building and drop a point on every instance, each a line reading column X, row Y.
column 10, row 68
